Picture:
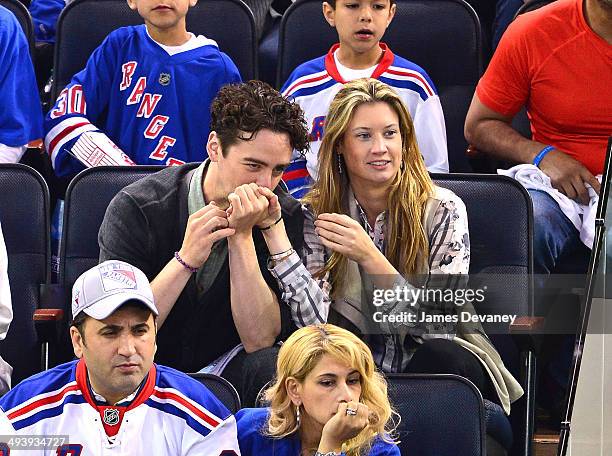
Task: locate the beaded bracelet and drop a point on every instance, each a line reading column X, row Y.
column 185, row 265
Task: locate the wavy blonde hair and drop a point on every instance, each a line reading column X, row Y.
column 299, row 355
column 407, row 246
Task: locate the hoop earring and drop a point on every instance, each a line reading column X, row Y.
column 339, row 164
column 298, row 417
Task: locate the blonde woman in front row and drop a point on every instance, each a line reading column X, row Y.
column 327, row 399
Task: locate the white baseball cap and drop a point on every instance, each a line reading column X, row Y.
column 104, row 288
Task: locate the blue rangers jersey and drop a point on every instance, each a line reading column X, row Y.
column 20, row 112
column 154, row 106
column 170, row 414
column 314, row 84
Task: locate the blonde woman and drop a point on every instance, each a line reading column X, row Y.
column 386, row 226
column 327, row 399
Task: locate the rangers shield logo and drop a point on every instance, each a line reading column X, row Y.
column 111, row 416
column 117, row 276
column 164, row 79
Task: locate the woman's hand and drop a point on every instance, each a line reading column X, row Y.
column 346, row 236
column 342, row 426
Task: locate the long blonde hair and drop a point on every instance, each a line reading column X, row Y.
column 299, row 355
column 407, row 247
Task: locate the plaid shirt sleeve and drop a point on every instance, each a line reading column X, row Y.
column 308, row 297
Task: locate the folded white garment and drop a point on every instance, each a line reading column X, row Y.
column 582, row 216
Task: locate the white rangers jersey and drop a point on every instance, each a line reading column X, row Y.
column 314, row 84
column 171, row 414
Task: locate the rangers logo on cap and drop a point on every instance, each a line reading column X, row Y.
column 104, row 288
column 117, row 275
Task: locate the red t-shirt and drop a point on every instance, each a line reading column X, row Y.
column 551, row 61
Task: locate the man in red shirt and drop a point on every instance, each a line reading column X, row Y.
column 556, row 61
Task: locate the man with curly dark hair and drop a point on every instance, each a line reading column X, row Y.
column 208, row 238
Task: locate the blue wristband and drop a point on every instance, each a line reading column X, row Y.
column 538, row 158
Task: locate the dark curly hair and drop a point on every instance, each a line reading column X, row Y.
column 239, row 111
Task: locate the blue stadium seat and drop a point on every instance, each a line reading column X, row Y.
column 500, row 219
column 221, row 388
column 441, row 414
column 87, row 198
column 24, row 213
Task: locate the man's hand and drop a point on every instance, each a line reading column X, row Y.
column 248, row 207
column 568, row 175
column 204, row 228
column 342, row 427
column 346, row 236
column 274, row 207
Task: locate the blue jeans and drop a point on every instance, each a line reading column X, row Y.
column 556, row 242
column 557, row 247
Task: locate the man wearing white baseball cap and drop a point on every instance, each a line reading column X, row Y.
column 114, row 399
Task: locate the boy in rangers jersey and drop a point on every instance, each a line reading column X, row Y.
column 143, row 98
column 114, row 399
column 360, row 53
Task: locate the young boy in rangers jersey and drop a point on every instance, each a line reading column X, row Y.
column 360, row 53
column 114, row 399
column 143, row 98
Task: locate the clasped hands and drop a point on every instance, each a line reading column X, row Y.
column 250, row 205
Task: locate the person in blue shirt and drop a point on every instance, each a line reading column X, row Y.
column 328, row 399
column 20, row 113
column 45, row 14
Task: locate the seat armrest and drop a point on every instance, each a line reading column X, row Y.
column 48, row 323
column 43, row 315
column 526, row 325
column 49, row 318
